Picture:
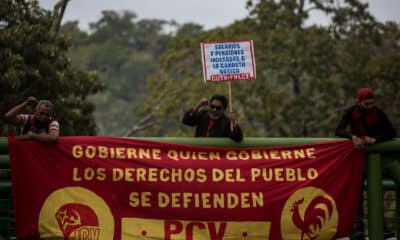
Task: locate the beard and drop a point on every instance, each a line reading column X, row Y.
column 363, row 111
column 214, row 116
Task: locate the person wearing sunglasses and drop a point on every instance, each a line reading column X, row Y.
column 212, row 122
column 40, row 125
column 365, row 124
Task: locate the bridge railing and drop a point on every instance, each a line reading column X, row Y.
column 381, row 157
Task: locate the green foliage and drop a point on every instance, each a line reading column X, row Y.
column 306, row 75
column 34, row 63
column 123, row 50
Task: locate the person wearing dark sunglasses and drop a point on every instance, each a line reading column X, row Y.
column 212, row 122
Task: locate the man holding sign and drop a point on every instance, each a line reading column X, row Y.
column 213, row 122
column 222, row 61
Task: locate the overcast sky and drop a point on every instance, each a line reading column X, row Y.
column 209, row 13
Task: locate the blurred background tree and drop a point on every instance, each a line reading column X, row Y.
column 151, row 68
column 123, row 51
column 34, row 62
column 306, row 74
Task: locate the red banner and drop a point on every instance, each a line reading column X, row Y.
column 114, row 188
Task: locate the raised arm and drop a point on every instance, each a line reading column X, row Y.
column 190, row 116
column 11, row 115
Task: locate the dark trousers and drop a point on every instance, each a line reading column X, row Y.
column 359, row 227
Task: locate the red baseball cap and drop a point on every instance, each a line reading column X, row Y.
column 365, row 93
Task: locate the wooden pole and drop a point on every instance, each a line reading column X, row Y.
column 230, row 101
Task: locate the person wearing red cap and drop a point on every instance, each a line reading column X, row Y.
column 364, row 123
column 368, row 124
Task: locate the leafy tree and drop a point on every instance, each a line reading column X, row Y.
column 123, row 50
column 306, row 74
column 70, row 30
column 34, row 63
column 179, row 84
column 189, row 30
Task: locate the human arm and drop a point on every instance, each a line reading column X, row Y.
column 236, row 133
column 190, row 117
column 50, row 137
column 11, row 115
column 387, row 132
column 342, row 127
column 384, row 132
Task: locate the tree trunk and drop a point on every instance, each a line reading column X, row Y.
column 58, row 14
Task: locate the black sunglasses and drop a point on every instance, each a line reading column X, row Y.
column 215, row 107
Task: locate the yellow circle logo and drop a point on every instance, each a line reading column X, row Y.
column 309, row 214
column 75, row 213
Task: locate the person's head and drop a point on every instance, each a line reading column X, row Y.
column 366, row 98
column 218, row 104
column 44, row 111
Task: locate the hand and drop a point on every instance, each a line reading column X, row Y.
column 369, row 140
column 358, row 142
column 202, row 102
column 27, row 136
column 31, row 100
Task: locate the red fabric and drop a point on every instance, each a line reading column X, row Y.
column 118, row 188
column 364, row 122
column 210, row 125
column 364, row 93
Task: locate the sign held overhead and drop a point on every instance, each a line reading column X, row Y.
column 226, row 61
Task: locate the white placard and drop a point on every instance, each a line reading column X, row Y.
column 226, row 61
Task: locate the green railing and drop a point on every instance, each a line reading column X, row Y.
column 382, row 158
column 7, row 228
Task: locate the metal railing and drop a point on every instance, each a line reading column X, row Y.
column 7, row 229
column 382, row 157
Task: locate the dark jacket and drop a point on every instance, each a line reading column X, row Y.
column 221, row 127
column 382, row 129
